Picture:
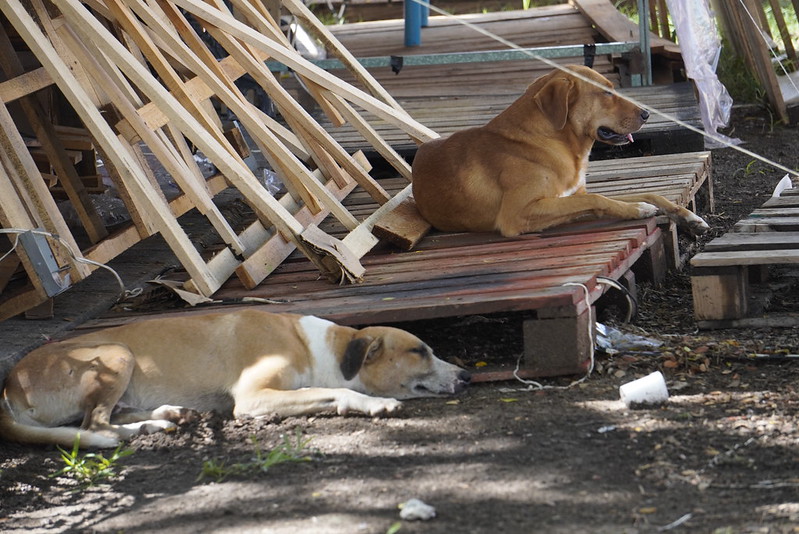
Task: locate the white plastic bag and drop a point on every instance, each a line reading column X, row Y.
column 700, row 45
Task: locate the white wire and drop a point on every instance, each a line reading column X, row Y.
column 671, row 118
column 76, row 257
column 532, row 384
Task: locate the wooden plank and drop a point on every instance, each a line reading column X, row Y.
column 616, row 27
column 302, row 122
column 753, row 241
column 404, row 226
column 113, row 150
column 21, row 170
column 453, row 112
column 14, row 215
column 24, row 84
column 768, row 224
column 721, row 294
column 321, row 32
column 760, row 257
column 754, row 49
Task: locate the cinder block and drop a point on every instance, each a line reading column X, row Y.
column 558, row 346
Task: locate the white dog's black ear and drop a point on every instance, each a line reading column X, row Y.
column 358, row 351
column 553, row 101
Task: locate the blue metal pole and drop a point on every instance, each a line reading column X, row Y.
column 413, row 23
column 643, row 35
column 425, row 13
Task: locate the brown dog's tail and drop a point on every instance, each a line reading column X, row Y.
column 12, row 430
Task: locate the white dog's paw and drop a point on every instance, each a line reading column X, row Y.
column 367, row 405
column 646, row 210
column 176, row 414
column 385, row 407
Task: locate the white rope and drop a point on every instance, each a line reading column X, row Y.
column 671, row 118
column 532, row 384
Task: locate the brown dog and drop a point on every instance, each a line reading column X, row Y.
column 251, row 362
column 524, row 171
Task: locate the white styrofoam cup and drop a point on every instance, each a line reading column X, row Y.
column 650, row 389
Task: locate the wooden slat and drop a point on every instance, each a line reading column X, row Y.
column 24, row 84
column 447, row 114
column 616, row 27
column 746, row 257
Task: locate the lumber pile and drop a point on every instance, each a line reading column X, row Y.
column 148, row 92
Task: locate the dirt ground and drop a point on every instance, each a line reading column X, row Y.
column 720, row 457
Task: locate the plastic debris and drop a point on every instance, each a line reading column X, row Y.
column 414, row 509
column 612, row 341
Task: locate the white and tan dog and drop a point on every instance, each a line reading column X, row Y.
column 253, row 362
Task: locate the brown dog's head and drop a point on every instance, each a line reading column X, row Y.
column 592, row 111
column 394, row 363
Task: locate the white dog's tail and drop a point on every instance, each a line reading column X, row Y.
column 12, row 430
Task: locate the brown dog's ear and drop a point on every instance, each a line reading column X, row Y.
column 357, row 353
column 553, row 101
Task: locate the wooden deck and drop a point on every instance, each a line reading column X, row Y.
column 724, row 272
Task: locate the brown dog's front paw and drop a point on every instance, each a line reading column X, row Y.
column 646, row 210
column 696, row 224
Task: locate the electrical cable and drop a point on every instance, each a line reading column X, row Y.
column 75, row 257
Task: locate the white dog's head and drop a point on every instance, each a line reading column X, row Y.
column 394, row 363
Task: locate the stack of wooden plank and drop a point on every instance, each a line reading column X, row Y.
column 142, row 80
column 540, row 27
column 448, row 114
column 723, row 272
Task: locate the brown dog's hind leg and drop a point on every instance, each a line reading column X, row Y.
column 61, row 382
column 104, row 373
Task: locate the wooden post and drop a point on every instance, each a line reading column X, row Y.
column 720, row 293
column 555, row 346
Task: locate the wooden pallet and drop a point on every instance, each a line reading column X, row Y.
column 448, row 114
column 451, row 275
column 683, row 178
column 722, row 274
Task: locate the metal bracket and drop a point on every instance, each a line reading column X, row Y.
column 41, row 257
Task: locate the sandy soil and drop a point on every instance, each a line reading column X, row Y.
column 720, row 457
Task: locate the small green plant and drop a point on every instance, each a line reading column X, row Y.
column 750, row 169
column 287, row 451
column 90, row 468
